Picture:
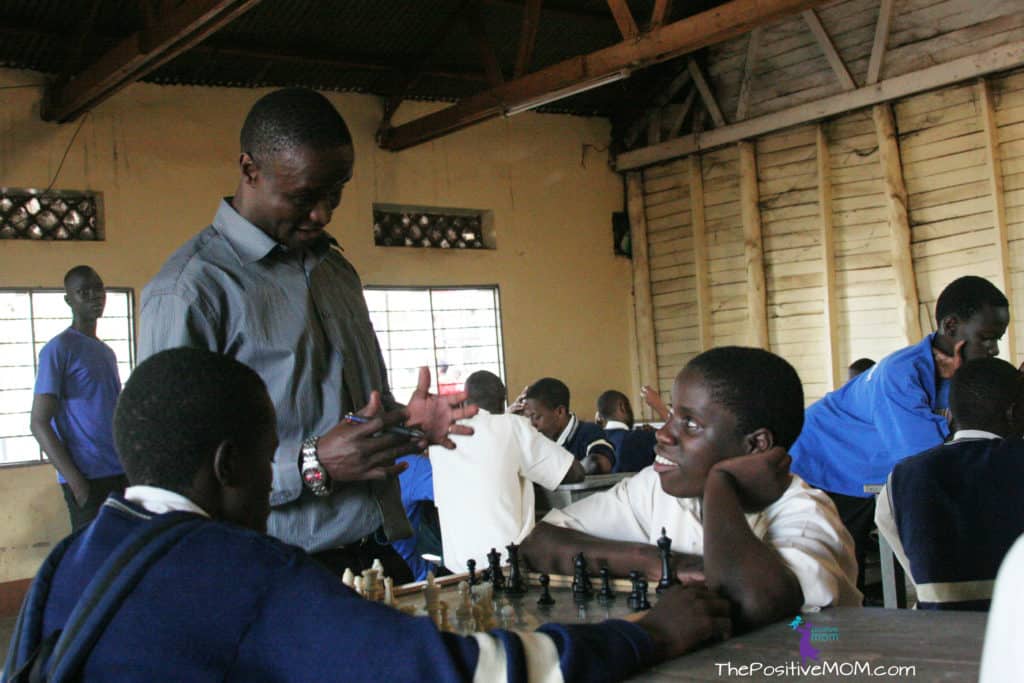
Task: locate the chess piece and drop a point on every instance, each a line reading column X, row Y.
column 494, row 562
column 634, row 594
column 515, row 584
column 642, row 601
column 668, row 577
column 348, row 578
column 607, row 593
column 389, row 591
column 582, row 589
column 545, row 599
column 471, row 565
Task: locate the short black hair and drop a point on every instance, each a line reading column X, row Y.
column 758, row 387
column 861, row 364
column 965, row 296
column 549, row 391
column 289, row 119
column 981, row 391
column 485, row 389
column 177, row 407
column 78, row 271
column 608, row 402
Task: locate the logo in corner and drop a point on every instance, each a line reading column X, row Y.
column 810, row 633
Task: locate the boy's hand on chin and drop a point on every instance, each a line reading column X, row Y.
column 759, row 479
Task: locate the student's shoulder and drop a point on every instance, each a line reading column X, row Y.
column 590, row 431
column 246, row 547
column 192, row 263
column 800, row 497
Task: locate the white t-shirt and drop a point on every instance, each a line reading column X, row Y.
column 483, row 488
column 1000, row 659
column 802, row 525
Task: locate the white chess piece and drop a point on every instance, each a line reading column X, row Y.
column 348, row 578
column 389, row 591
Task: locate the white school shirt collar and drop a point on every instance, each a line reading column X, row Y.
column 974, row 434
column 615, row 424
column 158, row 500
column 569, row 430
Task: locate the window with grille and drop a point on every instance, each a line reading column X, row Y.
column 453, row 331
column 62, row 215
column 28, row 319
column 431, row 227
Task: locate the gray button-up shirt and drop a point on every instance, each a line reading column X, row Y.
column 298, row 319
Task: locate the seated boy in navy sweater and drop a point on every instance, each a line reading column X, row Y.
column 952, row 512
column 547, row 407
column 634, row 448
column 196, row 434
column 721, row 488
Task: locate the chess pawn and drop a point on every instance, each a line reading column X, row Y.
column 445, row 625
column 494, row 562
column 389, row 591
column 378, row 566
column 545, row 599
column 471, row 565
column 607, row 593
column 515, row 584
column 634, row 594
column 348, row 578
column 642, row 602
column 357, row 585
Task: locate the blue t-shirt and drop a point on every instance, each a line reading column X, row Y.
column 855, row 435
column 81, row 372
column 417, row 487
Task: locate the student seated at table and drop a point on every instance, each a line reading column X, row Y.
column 634, row 448
column 483, row 488
column 720, row 486
column 854, row 435
column 952, row 512
column 417, row 481
column 546, row 404
column 1001, row 659
column 221, row 601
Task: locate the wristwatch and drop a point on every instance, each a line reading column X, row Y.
column 313, row 472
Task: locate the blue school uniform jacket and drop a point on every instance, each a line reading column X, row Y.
column 585, row 437
column 634, row 448
column 229, row 604
column 854, row 435
column 958, row 509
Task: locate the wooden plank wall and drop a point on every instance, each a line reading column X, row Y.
column 945, row 166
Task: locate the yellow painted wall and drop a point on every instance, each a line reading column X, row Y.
column 163, row 156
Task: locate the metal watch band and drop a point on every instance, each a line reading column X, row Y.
column 314, row 475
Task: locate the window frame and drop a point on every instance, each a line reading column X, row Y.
column 132, row 346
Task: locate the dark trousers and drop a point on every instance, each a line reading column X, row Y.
column 99, row 489
column 858, row 514
column 360, row 555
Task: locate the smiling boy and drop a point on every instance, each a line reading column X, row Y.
column 721, row 488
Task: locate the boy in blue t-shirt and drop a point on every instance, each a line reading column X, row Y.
column 547, row 407
column 634, row 448
column 73, row 408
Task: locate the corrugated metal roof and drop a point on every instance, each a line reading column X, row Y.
column 350, row 45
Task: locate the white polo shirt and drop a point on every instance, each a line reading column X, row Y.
column 1000, row 658
column 802, row 525
column 483, row 488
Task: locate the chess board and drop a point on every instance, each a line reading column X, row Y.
column 521, row 612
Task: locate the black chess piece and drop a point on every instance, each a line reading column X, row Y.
column 582, row 589
column 642, row 601
column 545, row 599
column 494, row 562
column 607, row 593
column 634, row 595
column 471, row 565
column 515, row 584
column 668, row 577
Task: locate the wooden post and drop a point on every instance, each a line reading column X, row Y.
column 700, row 251
column 835, row 377
column 757, row 302
column 642, row 302
column 899, row 222
column 995, row 172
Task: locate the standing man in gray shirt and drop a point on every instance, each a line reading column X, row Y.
column 266, row 284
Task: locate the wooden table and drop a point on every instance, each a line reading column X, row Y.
column 943, row 646
column 570, row 493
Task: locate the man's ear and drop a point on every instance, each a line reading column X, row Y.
column 250, row 171
column 759, row 441
column 949, row 326
column 227, row 464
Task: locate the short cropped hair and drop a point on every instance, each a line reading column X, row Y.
column 292, row 118
column 982, row 390
column 485, row 389
column 608, row 402
column 549, row 391
column 77, row 271
column 176, row 409
column 861, row 364
column 761, row 389
column 967, row 295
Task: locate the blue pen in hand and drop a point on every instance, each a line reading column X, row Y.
column 352, row 418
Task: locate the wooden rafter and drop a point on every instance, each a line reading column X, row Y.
column 492, row 67
column 527, row 37
column 663, row 98
column 831, row 54
column 73, row 63
column 624, row 19
column 726, row 21
column 662, row 8
column 833, row 363
column 705, row 92
column 676, row 124
column 700, row 251
column 743, row 102
column 753, row 248
column 642, row 297
column 965, row 68
column 881, row 40
column 178, row 30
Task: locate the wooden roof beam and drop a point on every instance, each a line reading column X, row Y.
column 140, row 53
column 527, row 37
column 881, row 40
column 827, row 47
column 705, row 93
column 681, row 37
column 662, row 8
column 624, row 19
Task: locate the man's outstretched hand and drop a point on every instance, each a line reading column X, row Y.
column 354, row 452
column 436, row 415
